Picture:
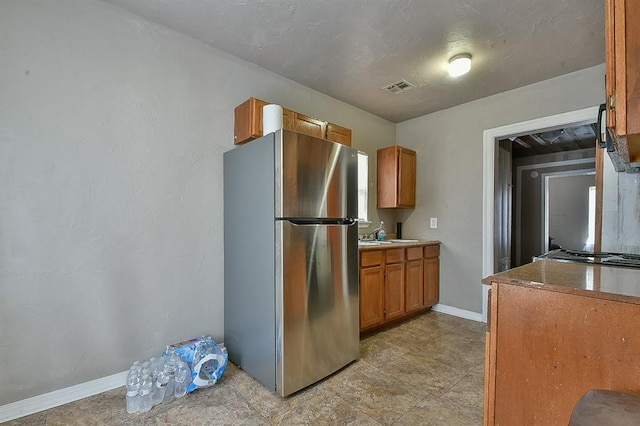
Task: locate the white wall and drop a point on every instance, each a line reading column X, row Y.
column 621, row 210
column 569, row 210
column 449, row 146
column 112, row 131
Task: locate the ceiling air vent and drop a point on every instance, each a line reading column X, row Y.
column 399, row 86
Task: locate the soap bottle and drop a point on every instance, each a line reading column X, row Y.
column 382, row 234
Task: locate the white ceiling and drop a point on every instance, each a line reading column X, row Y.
column 351, row 49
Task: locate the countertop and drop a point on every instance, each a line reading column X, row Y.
column 388, row 245
column 603, row 282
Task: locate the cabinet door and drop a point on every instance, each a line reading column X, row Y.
column 247, row 123
column 309, row 126
column 394, row 291
column 387, row 177
column 414, row 288
column 338, row 134
column 623, row 61
column 632, row 76
column 396, row 177
column 371, row 297
column 610, row 53
column 622, row 43
column 289, row 119
column 552, row 347
column 407, row 178
column 431, row 281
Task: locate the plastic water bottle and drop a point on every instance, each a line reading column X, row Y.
column 133, row 390
column 183, row 374
column 153, row 366
column 170, row 366
column 159, row 390
column 146, row 386
column 382, row 234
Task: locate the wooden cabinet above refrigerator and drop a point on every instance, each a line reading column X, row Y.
column 248, row 124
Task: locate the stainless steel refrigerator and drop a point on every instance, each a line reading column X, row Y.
column 291, row 295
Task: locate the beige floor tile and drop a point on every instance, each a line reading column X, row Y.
column 378, row 394
column 324, row 409
column 433, row 411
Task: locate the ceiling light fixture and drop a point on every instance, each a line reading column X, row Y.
column 459, row 64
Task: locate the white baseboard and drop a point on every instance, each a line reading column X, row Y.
column 62, row 396
column 457, row 312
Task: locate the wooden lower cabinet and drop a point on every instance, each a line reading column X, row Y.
column 545, row 349
column 414, row 280
column 371, row 297
column 393, row 291
column 394, row 283
column 431, row 264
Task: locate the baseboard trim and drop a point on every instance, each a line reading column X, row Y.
column 59, row 397
column 470, row 315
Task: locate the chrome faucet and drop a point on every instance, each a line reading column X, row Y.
column 374, row 233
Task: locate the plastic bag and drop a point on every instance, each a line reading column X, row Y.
column 205, row 358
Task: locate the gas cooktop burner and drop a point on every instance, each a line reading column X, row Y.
column 628, row 260
column 629, row 256
column 585, row 253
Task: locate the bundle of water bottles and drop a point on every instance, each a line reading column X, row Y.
column 182, row 368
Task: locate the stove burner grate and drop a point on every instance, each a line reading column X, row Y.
column 586, row 253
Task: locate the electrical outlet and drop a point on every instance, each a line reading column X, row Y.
column 433, row 223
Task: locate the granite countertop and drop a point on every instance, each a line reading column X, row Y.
column 389, row 245
column 603, row 282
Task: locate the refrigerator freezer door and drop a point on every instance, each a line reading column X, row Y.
column 314, row 177
column 316, row 302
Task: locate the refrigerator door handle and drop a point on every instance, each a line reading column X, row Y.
column 307, row 221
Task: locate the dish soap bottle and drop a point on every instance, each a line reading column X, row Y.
column 382, row 234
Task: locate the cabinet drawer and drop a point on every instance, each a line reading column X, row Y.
column 395, row 255
column 432, row 251
column 370, row 258
column 414, row 253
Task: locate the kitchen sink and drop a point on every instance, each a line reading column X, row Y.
column 377, row 243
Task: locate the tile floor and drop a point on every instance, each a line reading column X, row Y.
column 428, row 371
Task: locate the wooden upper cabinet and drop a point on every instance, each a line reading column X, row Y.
column 396, row 177
column 309, row 125
column 622, row 20
column 288, row 119
column 338, row 134
column 248, row 124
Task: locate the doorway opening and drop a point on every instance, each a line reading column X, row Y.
column 551, row 200
column 491, row 163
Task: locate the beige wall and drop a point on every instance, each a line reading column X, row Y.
column 449, row 146
column 112, row 131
